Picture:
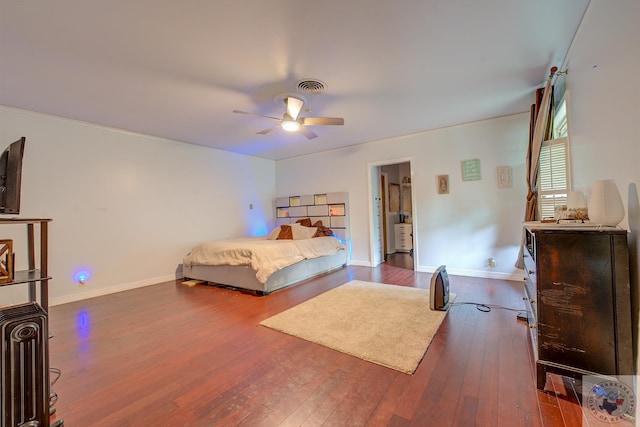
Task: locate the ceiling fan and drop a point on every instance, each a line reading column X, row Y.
column 291, row 121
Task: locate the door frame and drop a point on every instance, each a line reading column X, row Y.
column 384, row 179
column 373, row 178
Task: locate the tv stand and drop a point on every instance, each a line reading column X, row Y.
column 37, row 273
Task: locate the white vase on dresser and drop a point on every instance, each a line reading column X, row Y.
column 605, row 204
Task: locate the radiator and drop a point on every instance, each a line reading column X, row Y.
column 24, row 366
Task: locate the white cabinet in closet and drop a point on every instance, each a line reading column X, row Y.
column 403, row 237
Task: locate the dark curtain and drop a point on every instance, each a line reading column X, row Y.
column 540, row 129
column 535, row 144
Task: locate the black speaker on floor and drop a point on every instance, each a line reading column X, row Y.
column 439, row 290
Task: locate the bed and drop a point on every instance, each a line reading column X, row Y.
column 289, row 254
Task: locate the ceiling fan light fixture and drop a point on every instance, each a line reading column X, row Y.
column 290, row 125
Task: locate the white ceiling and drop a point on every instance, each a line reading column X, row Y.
column 177, row 69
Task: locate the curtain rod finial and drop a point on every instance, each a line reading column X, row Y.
column 553, row 70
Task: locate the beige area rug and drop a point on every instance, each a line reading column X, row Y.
column 384, row 324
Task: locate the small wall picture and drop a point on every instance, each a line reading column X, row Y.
column 504, row 177
column 443, row 184
column 471, row 170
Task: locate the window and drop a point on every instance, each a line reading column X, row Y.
column 560, row 120
column 553, row 172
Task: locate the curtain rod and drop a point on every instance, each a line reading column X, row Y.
column 553, row 72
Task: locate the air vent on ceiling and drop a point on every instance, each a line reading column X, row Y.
column 312, row 86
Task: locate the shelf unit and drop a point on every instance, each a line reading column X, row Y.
column 34, row 274
column 37, row 273
column 405, row 199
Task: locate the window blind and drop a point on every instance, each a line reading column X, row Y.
column 553, row 176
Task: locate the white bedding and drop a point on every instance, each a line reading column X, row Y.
column 263, row 255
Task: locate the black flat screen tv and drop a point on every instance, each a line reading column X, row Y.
column 10, row 177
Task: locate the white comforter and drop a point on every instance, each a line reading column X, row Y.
column 264, row 256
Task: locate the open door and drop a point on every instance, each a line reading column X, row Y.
column 393, row 229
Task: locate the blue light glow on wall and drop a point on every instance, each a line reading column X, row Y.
column 255, row 218
column 258, row 227
column 81, row 276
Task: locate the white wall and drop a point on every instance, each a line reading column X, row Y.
column 603, row 71
column 602, row 80
column 127, row 207
column 477, row 220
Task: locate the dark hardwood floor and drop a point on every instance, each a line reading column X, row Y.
column 400, row 260
column 173, row 355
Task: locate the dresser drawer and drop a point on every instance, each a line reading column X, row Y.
column 531, row 303
column 529, row 263
column 403, row 237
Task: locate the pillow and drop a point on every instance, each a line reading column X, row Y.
column 296, row 232
column 274, row 233
column 305, row 222
column 285, row 233
column 323, row 231
column 301, row 232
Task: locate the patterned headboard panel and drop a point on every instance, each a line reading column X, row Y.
column 331, row 208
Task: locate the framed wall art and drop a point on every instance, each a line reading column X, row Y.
column 443, row 184
column 504, row 177
column 471, row 170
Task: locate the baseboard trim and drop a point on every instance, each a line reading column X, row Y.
column 517, row 276
column 92, row 293
column 360, row 263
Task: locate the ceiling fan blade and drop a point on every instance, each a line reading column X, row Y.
column 308, row 133
column 322, row 121
column 294, row 106
column 266, row 131
column 254, row 114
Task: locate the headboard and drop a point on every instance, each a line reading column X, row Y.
column 330, row 208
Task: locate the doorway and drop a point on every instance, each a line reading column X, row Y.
column 393, row 229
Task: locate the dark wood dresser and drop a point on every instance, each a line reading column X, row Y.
column 578, row 298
